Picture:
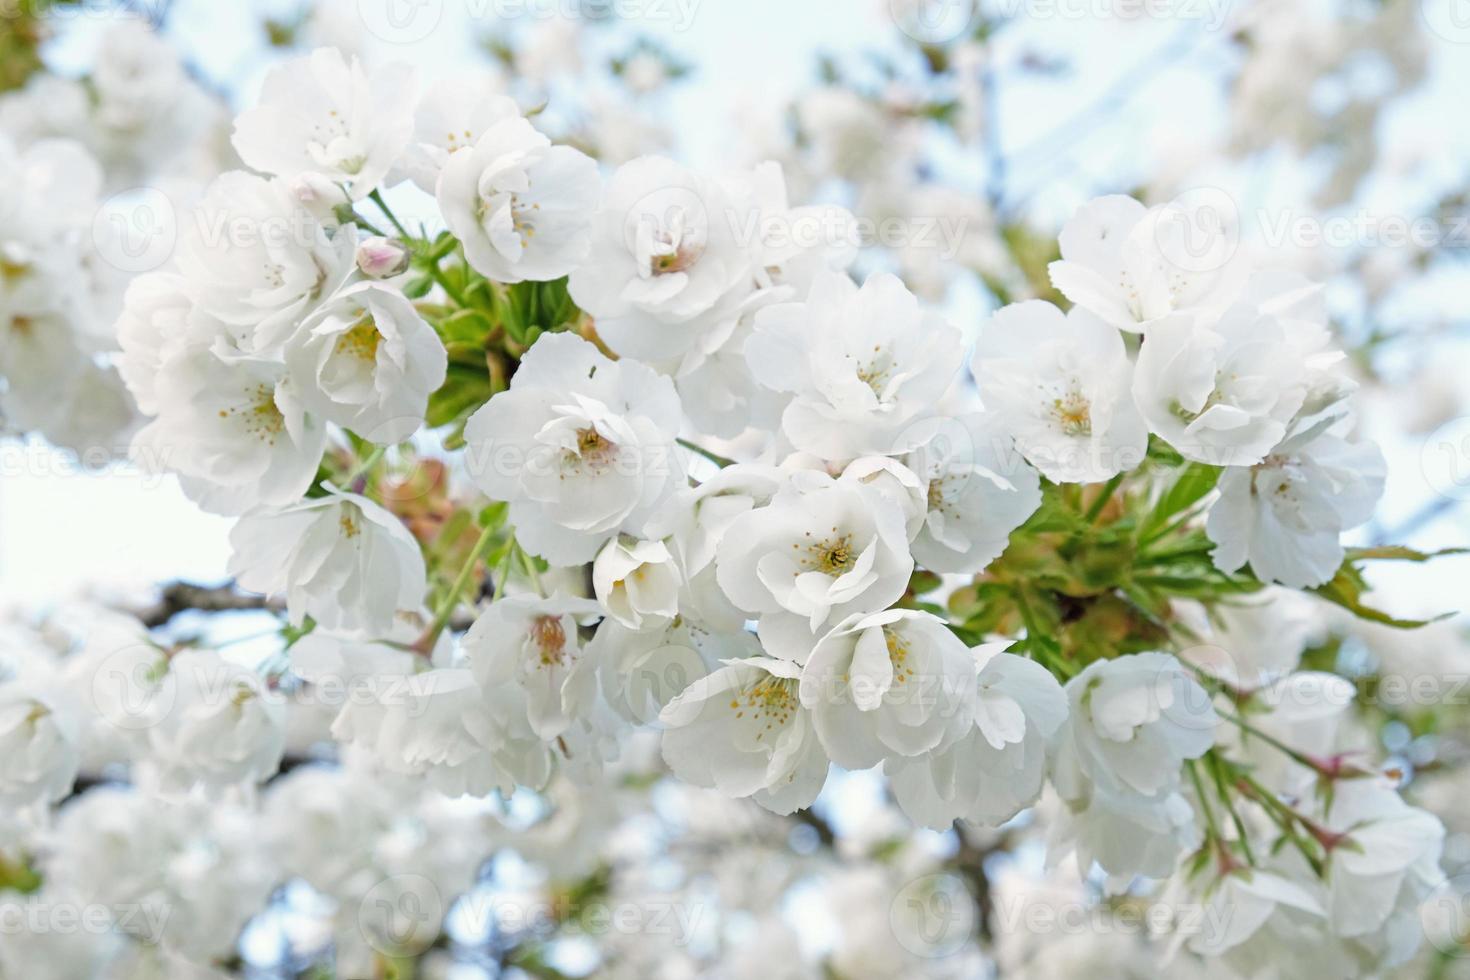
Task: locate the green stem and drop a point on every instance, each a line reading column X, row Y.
column 715, row 458
column 1102, row 499
column 1216, row 765
column 1169, row 528
column 1270, row 740
column 532, row 572
column 438, row 276
column 1204, row 802
column 377, row 198
column 1284, row 817
column 363, row 466
column 364, row 222
column 502, row 571
column 425, row 645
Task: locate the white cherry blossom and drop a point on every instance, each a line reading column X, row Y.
column 978, row 490
column 1060, row 383
column 1223, row 389
column 1131, row 265
column 233, row 428
column 885, row 685
column 257, row 260
column 582, row 447
column 324, row 114
column 340, row 559
column 743, row 730
column 1286, row 514
column 368, row 361
column 997, row 765
column 521, row 207
column 672, row 252
column 452, row 114
column 637, row 582
column 860, row 363
column 820, row 551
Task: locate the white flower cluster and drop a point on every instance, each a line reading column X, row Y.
column 764, row 611
column 65, row 253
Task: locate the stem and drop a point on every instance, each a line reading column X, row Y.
column 425, row 644
column 502, row 571
column 1055, row 663
column 1204, row 802
column 1102, row 499
column 532, row 572
column 360, row 220
column 1273, row 741
column 438, row 276
column 1170, row 554
column 715, row 458
column 363, row 467
column 1286, row 818
column 1216, row 769
column 377, row 198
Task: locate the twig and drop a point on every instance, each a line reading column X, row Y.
column 181, row 597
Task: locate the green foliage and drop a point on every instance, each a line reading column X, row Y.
column 1348, row 587
column 1188, row 488
column 18, row 876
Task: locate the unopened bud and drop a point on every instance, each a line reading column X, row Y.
column 380, row 258
column 319, row 196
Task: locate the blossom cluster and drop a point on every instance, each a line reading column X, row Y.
column 71, row 152
column 709, row 476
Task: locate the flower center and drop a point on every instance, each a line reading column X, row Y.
column 1073, row 413
column 772, row 701
column 876, row 372
column 259, row 414
column 673, row 249
column 676, row 260
column 550, row 639
column 832, row 556
column 898, row 656
column 592, row 447
column 361, row 341
column 13, row 270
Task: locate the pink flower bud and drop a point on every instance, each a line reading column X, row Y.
column 379, row 258
column 319, row 196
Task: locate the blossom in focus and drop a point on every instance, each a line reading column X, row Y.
column 340, row 559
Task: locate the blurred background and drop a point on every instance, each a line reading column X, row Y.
column 1326, row 135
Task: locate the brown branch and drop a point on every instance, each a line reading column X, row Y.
column 180, row 597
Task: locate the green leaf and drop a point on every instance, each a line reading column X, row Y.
column 18, row 876
column 462, row 392
column 1194, row 481
column 1346, row 590
column 464, row 327
column 1398, row 552
column 1161, row 452
column 493, row 516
